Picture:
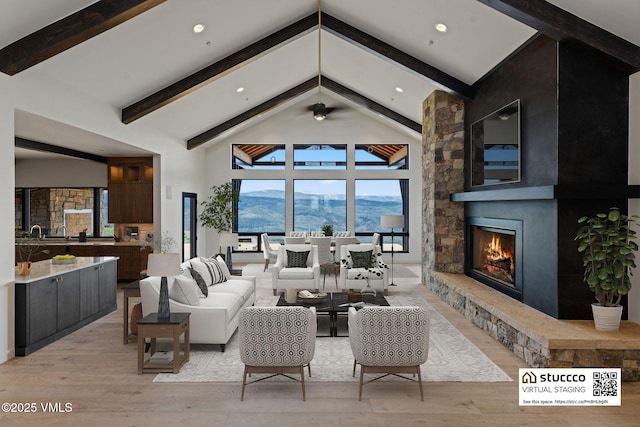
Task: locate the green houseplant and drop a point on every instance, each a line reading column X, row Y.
column 327, row 229
column 218, row 211
column 606, row 241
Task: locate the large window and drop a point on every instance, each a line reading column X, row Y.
column 313, row 191
column 377, row 197
column 63, row 211
column 318, row 156
column 262, row 205
column 319, row 202
column 257, row 156
column 382, row 156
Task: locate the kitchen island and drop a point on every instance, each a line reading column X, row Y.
column 132, row 256
column 57, row 299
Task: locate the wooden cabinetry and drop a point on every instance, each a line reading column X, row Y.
column 57, row 304
column 132, row 259
column 130, row 189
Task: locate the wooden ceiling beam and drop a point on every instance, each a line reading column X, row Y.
column 69, row 32
column 285, row 96
column 369, row 104
column 218, row 69
column 561, row 25
column 304, row 87
column 262, row 47
column 387, row 52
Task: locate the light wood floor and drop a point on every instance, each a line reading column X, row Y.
column 93, row 371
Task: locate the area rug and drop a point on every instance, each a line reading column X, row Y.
column 452, row 357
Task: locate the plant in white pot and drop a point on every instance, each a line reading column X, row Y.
column 218, row 214
column 607, row 242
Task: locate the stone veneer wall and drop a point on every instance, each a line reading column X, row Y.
column 442, row 175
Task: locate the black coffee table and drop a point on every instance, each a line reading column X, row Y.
column 333, row 305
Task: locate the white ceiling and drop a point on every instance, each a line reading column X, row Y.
column 158, row 47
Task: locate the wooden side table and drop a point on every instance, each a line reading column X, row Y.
column 129, row 290
column 150, row 327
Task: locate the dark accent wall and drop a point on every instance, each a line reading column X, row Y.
column 574, row 137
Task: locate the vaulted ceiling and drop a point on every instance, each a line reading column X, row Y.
column 382, row 58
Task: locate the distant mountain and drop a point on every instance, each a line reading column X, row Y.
column 265, row 211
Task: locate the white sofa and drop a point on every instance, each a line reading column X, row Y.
column 214, row 318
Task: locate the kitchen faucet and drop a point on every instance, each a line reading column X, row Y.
column 39, row 230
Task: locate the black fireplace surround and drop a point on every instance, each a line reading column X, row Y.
column 574, row 162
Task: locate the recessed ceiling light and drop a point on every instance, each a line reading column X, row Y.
column 198, row 28
column 240, row 89
column 399, row 89
column 441, row 27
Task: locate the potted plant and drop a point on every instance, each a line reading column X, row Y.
column 327, row 229
column 218, row 211
column 607, row 242
column 27, row 247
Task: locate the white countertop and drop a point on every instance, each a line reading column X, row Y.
column 43, row 269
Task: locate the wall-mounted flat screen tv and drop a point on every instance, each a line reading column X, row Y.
column 495, row 147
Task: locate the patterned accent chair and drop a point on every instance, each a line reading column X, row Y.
column 286, row 273
column 276, row 341
column 267, row 251
column 389, row 341
column 353, row 276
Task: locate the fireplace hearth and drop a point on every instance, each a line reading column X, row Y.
column 494, row 253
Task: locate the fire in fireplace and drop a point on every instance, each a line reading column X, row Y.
column 494, row 254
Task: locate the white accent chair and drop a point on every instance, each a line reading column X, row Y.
column 375, row 240
column 276, row 341
column 353, row 277
column 389, row 341
column 285, row 277
column 268, row 252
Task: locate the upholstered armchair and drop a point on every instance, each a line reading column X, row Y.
column 368, row 263
column 276, row 341
column 267, row 251
column 389, row 341
column 297, row 266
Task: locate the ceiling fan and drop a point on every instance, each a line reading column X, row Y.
column 319, row 109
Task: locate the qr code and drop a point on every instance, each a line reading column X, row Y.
column 605, row 384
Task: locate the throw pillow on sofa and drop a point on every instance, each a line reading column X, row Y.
column 297, row 259
column 223, row 264
column 202, row 285
column 184, row 290
column 209, row 270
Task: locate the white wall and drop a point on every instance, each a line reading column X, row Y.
column 175, row 166
column 351, row 128
column 634, row 179
column 7, row 250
